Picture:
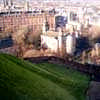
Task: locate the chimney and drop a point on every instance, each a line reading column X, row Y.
column 27, row 5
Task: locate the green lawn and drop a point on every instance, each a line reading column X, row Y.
column 22, row 80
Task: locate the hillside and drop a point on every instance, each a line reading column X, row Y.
column 22, row 80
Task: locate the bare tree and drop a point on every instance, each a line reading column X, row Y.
column 26, row 39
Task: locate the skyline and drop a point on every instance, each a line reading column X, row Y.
column 55, row 0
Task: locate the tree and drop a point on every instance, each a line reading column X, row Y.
column 26, row 39
column 19, row 39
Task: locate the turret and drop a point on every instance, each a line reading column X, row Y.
column 44, row 27
column 60, row 41
column 70, row 44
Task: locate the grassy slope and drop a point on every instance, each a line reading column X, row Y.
column 21, row 80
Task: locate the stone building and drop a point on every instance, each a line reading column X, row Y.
column 58, row 42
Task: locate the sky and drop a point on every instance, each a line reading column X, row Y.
column 57, row 0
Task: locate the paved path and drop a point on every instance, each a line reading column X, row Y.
column 94, row 91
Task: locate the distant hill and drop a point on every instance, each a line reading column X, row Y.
column 22, row 80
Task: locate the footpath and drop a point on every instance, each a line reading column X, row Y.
column 94, row 91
